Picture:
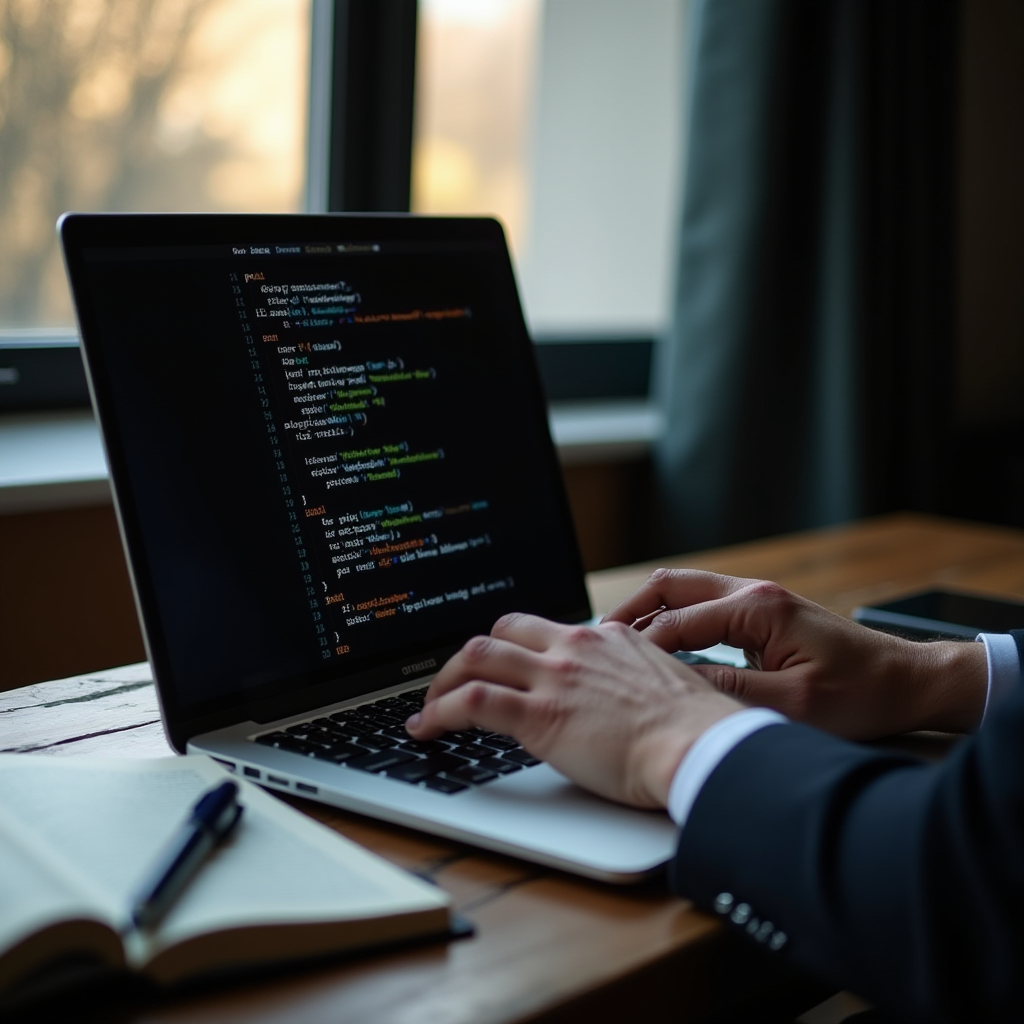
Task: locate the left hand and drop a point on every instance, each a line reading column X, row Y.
column 815, row 666
column 604, row 706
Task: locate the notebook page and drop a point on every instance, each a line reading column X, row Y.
column 111, row 818
column 36, row 895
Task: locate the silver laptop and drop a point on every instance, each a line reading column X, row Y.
column 330, row 456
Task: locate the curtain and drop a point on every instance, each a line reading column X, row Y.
column 807, row 376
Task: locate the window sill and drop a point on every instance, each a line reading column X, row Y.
column 619, row 431
column 51, row 460
column 55, row 460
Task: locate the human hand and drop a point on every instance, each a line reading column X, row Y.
column 603, row 706
column 815, row 666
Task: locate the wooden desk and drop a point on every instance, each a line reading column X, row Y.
column 549, row 947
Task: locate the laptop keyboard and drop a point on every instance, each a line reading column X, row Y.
column 372, row 738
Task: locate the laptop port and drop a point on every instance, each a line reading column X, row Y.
column 252, row 773
column 305, row 787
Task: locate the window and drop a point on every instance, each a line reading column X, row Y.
column 563, row 118
column 141, row 105
column 475, row 73
column 132, row 105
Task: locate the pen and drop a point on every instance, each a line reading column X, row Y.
column 213, row 817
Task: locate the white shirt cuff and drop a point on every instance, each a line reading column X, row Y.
column 707, row 753
column 1003, row 667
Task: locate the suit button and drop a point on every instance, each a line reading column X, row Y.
column 762, row 933
column 752, row 925
column 723, row 902
column 741, row 914
column 777, row 941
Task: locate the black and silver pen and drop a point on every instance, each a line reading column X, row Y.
column 213, row 817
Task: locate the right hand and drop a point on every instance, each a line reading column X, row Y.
column 816, row 667
column 602, row 706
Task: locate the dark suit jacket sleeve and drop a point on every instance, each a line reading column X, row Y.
column 901, row 881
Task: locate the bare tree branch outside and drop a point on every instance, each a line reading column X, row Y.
column 140, row 105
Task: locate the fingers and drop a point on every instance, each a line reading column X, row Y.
column 530, row 631
column 477, row 704
column 728, row 620
column 512, row 658
column 673, row 588
column 748, row 616
column 487, row 658
column 511, row 655
column 781, row 691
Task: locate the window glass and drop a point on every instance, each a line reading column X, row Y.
column 563, row 118
column 141, row 105
column 475, row 73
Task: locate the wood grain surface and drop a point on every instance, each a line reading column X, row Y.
column 548, row 946
column 859, row 564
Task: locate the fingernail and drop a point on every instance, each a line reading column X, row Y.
column 413, row 721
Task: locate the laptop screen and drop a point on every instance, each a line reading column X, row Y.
column 328, row 443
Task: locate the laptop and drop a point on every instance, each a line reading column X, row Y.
column 331, row 464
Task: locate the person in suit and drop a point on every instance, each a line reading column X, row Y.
column 900, row 880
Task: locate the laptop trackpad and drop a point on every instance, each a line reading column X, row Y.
column 566, row 822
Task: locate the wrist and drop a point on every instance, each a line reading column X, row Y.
column 667, row 745
column 662, row 756
column 951, row 680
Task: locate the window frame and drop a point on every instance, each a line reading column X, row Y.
column 359, row 159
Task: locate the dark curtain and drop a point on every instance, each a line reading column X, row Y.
column 808, row 374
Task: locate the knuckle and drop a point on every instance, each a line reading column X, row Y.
column 729, row 681
column 506, row 621
column 581, row 635
column 475, row 696
column 546, row 711
column 477, row 649
column 739, row 684
column 768, row 592
column 617, row 628
column 564, row 669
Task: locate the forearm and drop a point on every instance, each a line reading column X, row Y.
column 898, row 880
column 862, row 857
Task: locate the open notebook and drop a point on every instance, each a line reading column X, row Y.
column 78, row 835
